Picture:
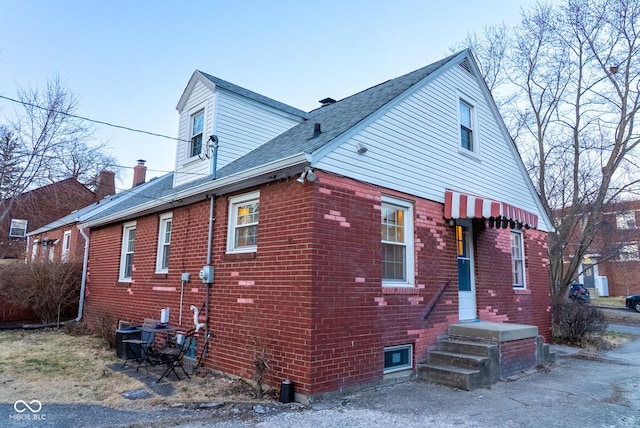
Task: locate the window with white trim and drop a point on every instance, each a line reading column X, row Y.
column 397, row 243
column 517, row 259
column 244, row 210
column 164, row 243
column 398, row 358
column 18, row 228
column 66, row 245
column 126, row 257
column 466, row 126
column 626, row 220
column 197, row 131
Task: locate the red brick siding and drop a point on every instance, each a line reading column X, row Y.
column 40, row 207
column 497, row 300
column 311, row 296
column 517, row 356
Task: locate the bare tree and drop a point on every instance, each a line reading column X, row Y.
column 46, row 142
column 574, row 83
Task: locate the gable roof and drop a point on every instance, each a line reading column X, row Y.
column 335, row 119
column 212, row 82
column 289, row 152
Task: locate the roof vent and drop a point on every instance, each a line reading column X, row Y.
column 316, row 130
column 465, row 64
column 327, row 102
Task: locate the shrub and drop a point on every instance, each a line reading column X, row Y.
column 50, row 289
column 575, row 322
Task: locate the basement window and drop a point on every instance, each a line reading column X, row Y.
column 398, row 358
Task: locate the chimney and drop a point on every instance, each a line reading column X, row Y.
column 139, row 173
column 106, row 184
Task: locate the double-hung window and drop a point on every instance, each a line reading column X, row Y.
column 397, row 243
column 18, row 228
column 66, row 245
column 164, row 243
column 517, row 259
column 466, row 126
column 197, row 130
column 126, row 258
column 244, row 212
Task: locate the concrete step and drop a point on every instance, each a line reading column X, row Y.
column 455, row 377
column 468, row 347
column 464, row 361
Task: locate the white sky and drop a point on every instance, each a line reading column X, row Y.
column 128, row 62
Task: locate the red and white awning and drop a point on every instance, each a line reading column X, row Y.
column 460, row 205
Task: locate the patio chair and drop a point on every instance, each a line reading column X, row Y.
column 139, row 349
column 172, row 356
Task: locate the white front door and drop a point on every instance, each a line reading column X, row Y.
column 466, row 277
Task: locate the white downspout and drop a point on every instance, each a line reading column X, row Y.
column 85, row 264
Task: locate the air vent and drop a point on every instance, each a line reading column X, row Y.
column 465, row 64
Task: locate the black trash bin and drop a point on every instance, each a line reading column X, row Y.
column 122, row 350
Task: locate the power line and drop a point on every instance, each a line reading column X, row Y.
column 100, row 122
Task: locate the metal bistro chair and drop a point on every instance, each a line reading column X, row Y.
column 172, row 356
column 140, row 349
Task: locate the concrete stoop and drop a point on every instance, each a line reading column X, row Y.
column 470, row 357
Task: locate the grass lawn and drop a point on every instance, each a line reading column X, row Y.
column 609, row 302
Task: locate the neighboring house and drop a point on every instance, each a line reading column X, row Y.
column 612, row 266
column 61, row 239
column 35, row 208
column 339, row 243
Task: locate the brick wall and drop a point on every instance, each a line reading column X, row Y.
column 40, row 207
column 517, row 356
column 497, row 300
column 310, row 296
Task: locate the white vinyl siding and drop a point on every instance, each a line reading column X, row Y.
column 414, row 147
column 192, row 168
column 240, row 124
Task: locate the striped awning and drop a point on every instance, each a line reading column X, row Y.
column 500, row 214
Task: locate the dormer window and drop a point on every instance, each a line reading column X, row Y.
column 197, row 129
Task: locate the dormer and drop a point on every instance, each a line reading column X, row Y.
column 215, row 112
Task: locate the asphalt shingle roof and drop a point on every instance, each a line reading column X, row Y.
column 335, row 119
column 254, row 95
